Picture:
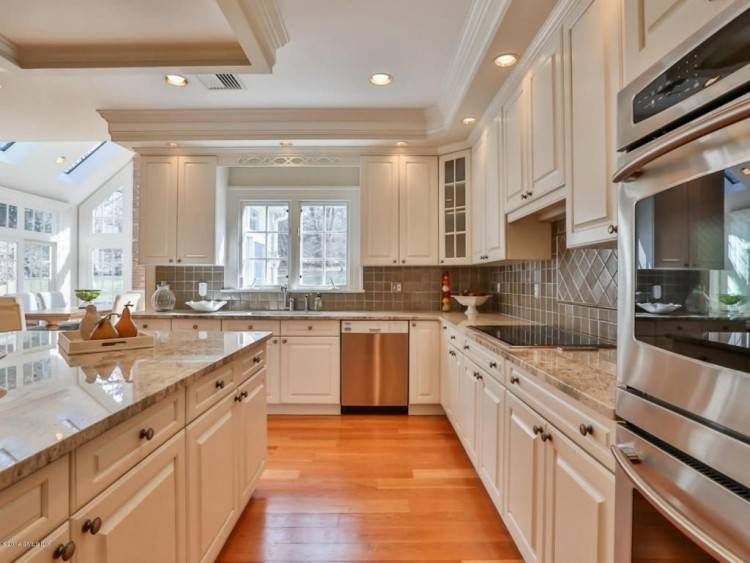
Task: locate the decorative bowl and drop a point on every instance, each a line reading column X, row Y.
column 205, row 306
column 87, row 295
column 471, row 302
column 659, row 308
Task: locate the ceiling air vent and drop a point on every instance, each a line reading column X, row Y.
column 221, row 81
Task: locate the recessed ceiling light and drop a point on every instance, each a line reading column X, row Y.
column 506, row 59
column 745, row 170
column 381, row 79
column 176, row 80
column 286, row 143
column 469, row 120
column 402, row 144
column 60, row 159
column 172, row 145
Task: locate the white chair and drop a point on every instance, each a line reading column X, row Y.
column 29, row 301
column 121, row 300
column 52, row 299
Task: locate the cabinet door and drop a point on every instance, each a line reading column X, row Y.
column 44, row 551
column 211, row 495
column 424, row 363
column 455, row 371
column 546, row 121
column 456, row 208
column 494, row 215
column 251, row 435
column 157, row 209
column 310, row 370
column 513, row 116
column 490, row 435
column 142, row 514
column 380, row 201
column 418, row 210
column 273, row 371
column 467, row 393
column 579, row 510
column 523, row 477
column 593, row 78
column 478, row 191
column 196, row 215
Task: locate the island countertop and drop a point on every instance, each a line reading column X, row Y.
column 50, row 405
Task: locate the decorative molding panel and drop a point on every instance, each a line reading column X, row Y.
column 287, row 160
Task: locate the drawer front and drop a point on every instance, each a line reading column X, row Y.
column 196, row 324
column 492, row 364
column 44, row 551
column 592, row 434
column 310, row 328
column 252, row 324
column 209, row 390
column 455, row 336
column 100, row 462
column 250, row 363
column 33, row 508
column 154, row 324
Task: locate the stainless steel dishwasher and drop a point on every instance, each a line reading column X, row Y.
column 374, row 367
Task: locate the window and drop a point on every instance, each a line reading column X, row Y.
column 106, row 274
column 84, row 157
column 107, row 217
column 38, row 221
column 37, row 266
column 265, row 244
column 323, row 244
column 8, row 267
column 8, row 216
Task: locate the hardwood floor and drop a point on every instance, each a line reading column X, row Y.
column 368, row 488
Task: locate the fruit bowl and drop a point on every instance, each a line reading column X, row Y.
column 205, row 306
column 659, row 308
column 87, row 295
column 471, row 302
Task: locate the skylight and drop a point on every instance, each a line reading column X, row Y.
column 84, row 157
column 5, row 145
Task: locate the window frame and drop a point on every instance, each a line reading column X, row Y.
column 295, row 197
column 52, row 264
column 241, row 242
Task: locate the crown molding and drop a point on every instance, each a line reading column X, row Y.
column 251, row 124
column 259, row 28
column 478, row 31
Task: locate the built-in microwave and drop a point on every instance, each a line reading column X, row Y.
column 683, row 440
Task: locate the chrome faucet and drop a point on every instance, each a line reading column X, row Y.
column 307, row 301
column 291, row 303
column 284, row 292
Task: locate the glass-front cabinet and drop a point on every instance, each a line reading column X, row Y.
column 454, row 208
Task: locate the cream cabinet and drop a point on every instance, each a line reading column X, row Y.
column 177, row 210
column 488, row 236
column 399, row 210
column 424, row 363
column 514, row 147
column 251, row 439
column 206, row 325
column 273, row 371
column 456, row 208
column 146, row 507
column 449, row 399
column 55, row 547
column 467, row 407
column 653, row 28
column 310, row 370
column 593, row 76
column 491, row 408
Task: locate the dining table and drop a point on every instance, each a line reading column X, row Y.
column 54, row 316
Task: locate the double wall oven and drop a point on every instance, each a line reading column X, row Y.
column 683, row 441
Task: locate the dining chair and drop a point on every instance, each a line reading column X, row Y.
column 11, row 314
column 52, row 299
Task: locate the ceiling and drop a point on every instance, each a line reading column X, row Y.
column 31, row 167
column 325, row 53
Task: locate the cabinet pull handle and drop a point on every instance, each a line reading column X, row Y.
column 92, row 526
column 585, row 429
column 537, row 429
column 612, row 229
column 493, row 364
column 147, row 433
column 256, row 359
column 220, row 384
column 514, row 379
column 65, row 551
column 546, row 436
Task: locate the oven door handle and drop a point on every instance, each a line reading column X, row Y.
column 677, row 518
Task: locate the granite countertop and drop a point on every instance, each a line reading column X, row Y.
column 298, row 315
column 50, row 405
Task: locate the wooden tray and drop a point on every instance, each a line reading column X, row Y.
column 71, row 343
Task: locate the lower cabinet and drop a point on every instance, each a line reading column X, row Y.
column 490, row 435
column 250, row 435
column 55, row 547
column 273, row 371
column 467, row 407
column 310, row 370
column 424, row 364
column 453, row 372
column 141, row 517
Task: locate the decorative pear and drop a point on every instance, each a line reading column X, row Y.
column 89, row 322
column 125, row 327
column 104, row 330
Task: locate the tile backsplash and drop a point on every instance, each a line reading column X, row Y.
column 576, row 289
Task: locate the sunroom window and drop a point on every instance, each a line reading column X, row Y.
column 265, row 245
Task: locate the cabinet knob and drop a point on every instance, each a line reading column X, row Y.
column 309, row 327
column 585, row 429
column 171, row 260
column 478, row 376
column 249, row 327
column 514, row 379
column 442, row 261
column 220, row 384
column 274, row 341
column 144, row 325
column 395, row 261
column 453, row 337
column 238, row 398
column 195, row 327
column 244, row 394
column 413, row 324
column 147, row 433
column 529, row 193
column 179, row 260
column 403, row 261
column 256, row 359
column 537, row 429
column 92, row 526
column 523, row 195
column 546, row 436
column 493, row 364
column 65, row 551
column 466, row 346
column 283, row 341
column 612, row 229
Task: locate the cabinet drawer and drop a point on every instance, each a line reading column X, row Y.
column 44, row 551
column 249, row 363
column 196, row 324
column 32, row 508
column 100, row 462
column 485, row 359
column 310, row 328
column 591, row 433
column 455, row 336
column 209, row 390
column 252, row 324
column 154, row 324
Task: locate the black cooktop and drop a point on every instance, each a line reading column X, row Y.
column 541, row 336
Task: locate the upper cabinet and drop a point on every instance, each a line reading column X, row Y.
column 591, row 51
column 177, row 210
column 653, row 28
column 455, row 183
column 514, row 133
column 399, row 210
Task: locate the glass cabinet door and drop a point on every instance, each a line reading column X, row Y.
column 454, row 244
